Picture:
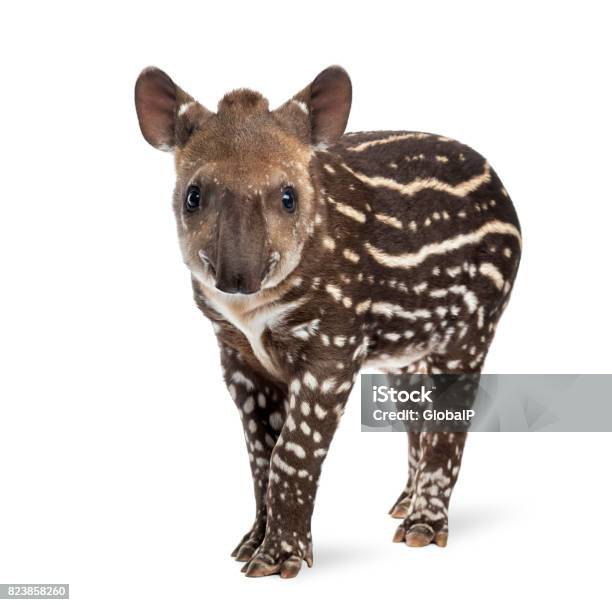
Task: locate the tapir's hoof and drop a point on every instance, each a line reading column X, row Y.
column 420, row 534
column 288, row 564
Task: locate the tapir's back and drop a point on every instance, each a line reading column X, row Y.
column 415, row 190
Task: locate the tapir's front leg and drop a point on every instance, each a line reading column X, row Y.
column 261, row 405
column 316, row 402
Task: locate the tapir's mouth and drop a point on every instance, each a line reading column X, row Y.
column 236, row 290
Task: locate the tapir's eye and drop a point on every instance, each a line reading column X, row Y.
column 192, row 199
column 289, row 199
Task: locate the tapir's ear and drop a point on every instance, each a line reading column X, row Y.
column 167, row 115
column 325, row 103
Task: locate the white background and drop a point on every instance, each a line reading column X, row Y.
column 122, row 463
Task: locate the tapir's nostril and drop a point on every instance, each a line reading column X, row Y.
column 235, row 284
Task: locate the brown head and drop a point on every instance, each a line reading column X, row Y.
column 246, row 187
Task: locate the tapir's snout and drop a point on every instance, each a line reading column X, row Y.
column 236, row 259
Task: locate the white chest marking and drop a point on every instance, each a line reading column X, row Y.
column 253, row 324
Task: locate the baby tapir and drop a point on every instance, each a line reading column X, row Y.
column 316, row 253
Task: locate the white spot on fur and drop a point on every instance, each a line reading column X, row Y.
column 306, row 330
column 334, row 291
column 328, row 384
column 339, row 341
column 184, row 107
column 392, row 336
column 329, row 243
column 351, row 212
column 363, row 306
column 282, row 465
column 239, row 378
column 350, row 255
column 297, row 449
column 249, row 405
column 345, row 386
column 392, row 310
column 276, row 421
column 493, row 273
column 391, row 221
column 320, row 413
column 310, row 381
column 303, row 107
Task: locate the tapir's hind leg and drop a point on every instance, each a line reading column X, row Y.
column 434, row 472
column 426, row 518
column 400, row 509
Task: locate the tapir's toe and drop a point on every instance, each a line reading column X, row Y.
column 245, row 552
column 291, row 567
column 261, row 565
column 419, row 535
column 441, row 538
column 400, row 509
column 249, row 543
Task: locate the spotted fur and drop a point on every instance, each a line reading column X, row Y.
column 401, row 256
